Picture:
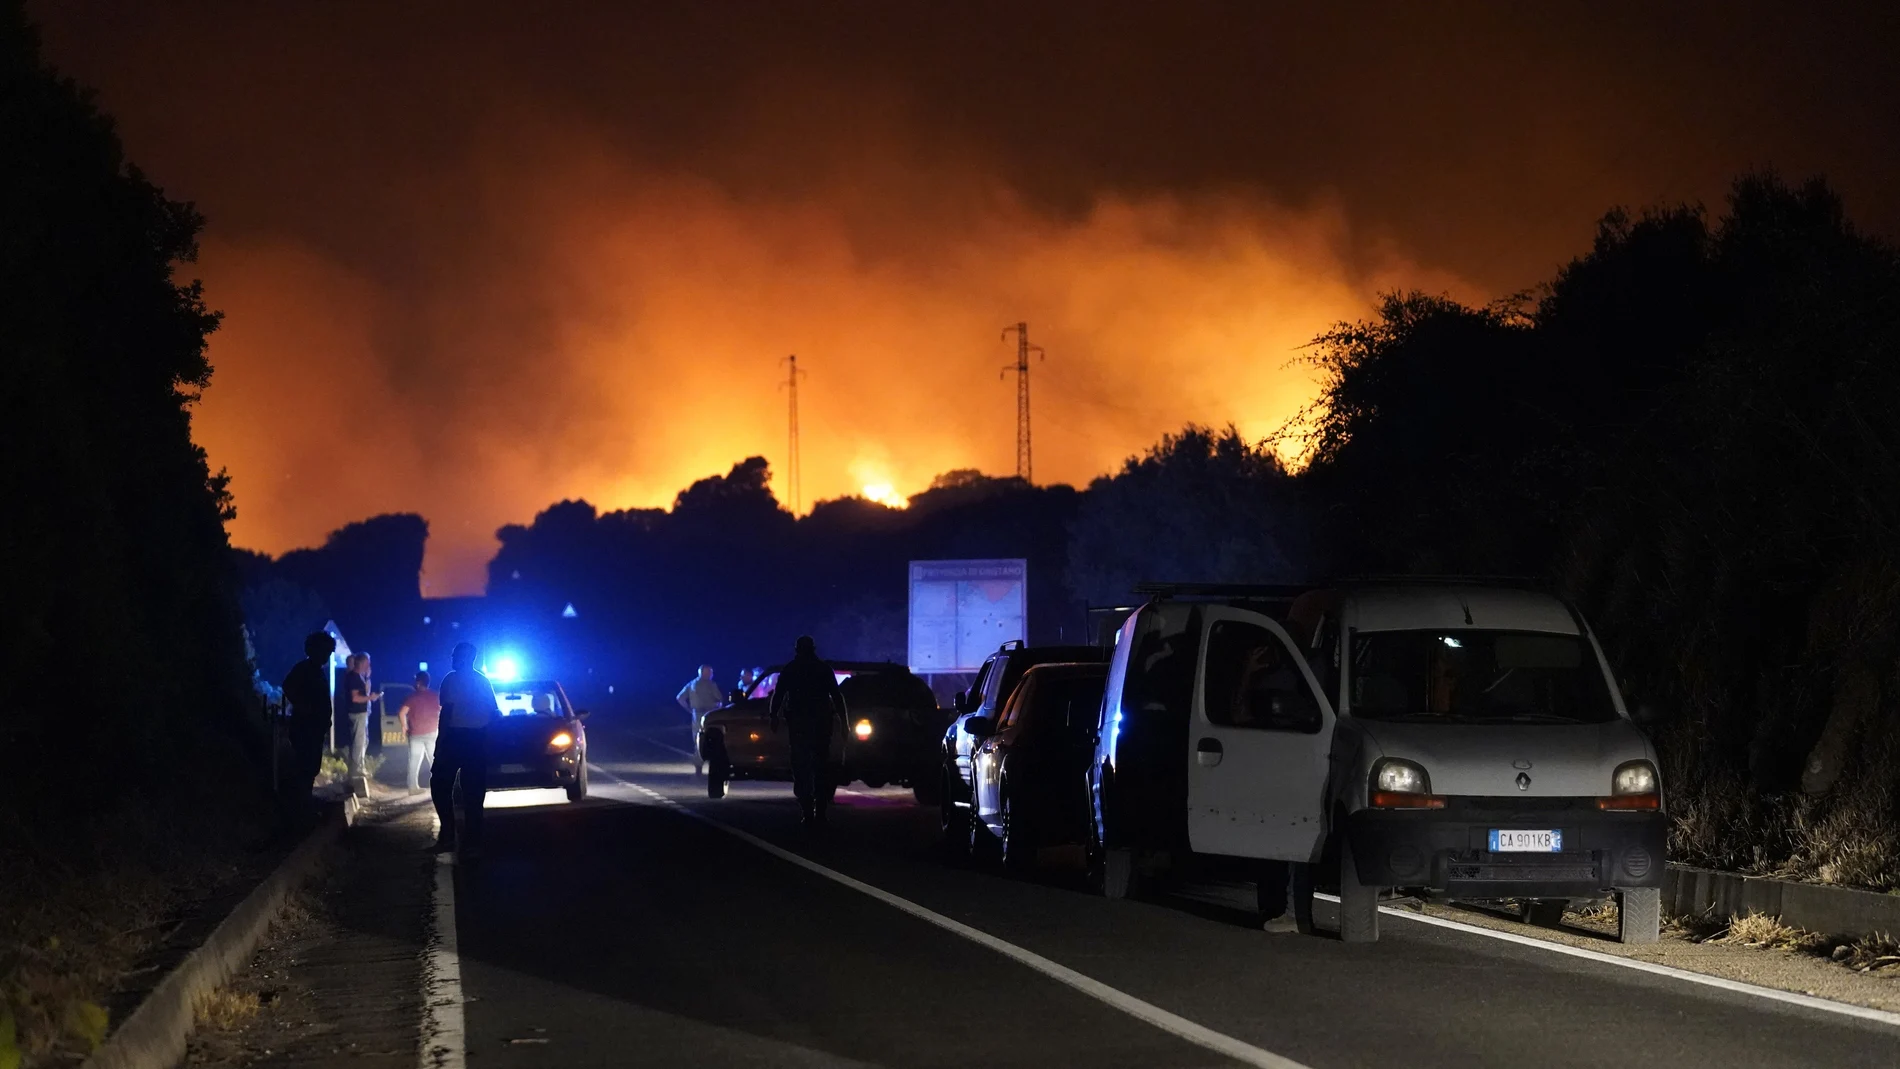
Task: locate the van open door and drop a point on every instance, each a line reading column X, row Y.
column 1260, row 739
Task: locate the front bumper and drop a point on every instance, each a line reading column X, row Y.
column 1448, row 850
column 556, row 770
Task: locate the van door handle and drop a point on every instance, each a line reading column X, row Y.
column 1208, row 752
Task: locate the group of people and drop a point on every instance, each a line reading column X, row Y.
column 445, row 729
column 806, row 699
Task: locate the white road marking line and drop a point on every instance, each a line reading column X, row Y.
column 1812, row 1002
column 444, row 1035
column 688, row 754
column 1175, row 1025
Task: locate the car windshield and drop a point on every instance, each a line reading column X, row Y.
column 1470, row 676
column 531, row 699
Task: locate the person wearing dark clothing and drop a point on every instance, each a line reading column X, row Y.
column 307, row 693
column 468, row 704
column 810, row 703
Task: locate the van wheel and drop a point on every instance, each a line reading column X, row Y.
column 717, row 773
column 1019, row 839
column 1639, row 915
column 1358, row 903
column 953, row 824
column 1114, row 873
column 873, row 782
column 1546, row 912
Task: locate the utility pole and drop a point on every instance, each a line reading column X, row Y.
column 1021, row 368
column 790, row 386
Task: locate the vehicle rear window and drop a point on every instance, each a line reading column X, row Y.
column 891, row 690
column 1064, row 704
column 1476, row 676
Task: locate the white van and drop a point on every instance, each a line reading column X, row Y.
column 1457, row 739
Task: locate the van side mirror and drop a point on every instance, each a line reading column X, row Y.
column 580, row 714
column 979, row 727
column 1646, row 714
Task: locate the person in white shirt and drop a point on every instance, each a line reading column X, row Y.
column 468, row 704
column 698, row 697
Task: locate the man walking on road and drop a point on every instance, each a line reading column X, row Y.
column 698, row 697
column 468, row 704
column 809, row 701
column 307, row 692
column 421, row 717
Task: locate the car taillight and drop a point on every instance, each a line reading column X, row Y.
column 1404, row 800
column 1630, row 801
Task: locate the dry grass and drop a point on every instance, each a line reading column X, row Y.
column 83, row 900
column 225, row 1009
column 1875, row 953
column 1765, row 930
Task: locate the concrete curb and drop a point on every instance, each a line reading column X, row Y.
column 153, row 1036
column 1836, row 911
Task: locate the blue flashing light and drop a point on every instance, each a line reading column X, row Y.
column 506, row 669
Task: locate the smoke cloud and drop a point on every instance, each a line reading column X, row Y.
column 602, row 330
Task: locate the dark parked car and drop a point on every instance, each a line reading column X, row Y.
column 995, row 681
column 890, row 735
column 1031, row 763
column 539, row 740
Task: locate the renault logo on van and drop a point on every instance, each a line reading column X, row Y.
column 1523, row 781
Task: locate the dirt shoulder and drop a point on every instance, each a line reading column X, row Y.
column 338, row 980
column 1784, row 961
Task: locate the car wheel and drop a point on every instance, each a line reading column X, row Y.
column 577, row 789
column 953, row 823
column 927, row 788
column 984, row 849
column 873, row 782
column 1546, row 912
column 717, row 773
column 1019, row 839
column 1358, row 903
column 1639, row 915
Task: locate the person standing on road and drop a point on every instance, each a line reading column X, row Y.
column 355, row 695
column 808, row 700
column 698, row 697
column 307, row 692
column 421, row 718
column 468, row 704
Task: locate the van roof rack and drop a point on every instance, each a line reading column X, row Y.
column 1437, row 580
column 1250, row 591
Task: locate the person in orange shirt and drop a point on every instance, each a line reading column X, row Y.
column 421, row 720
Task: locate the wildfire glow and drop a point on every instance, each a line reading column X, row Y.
column 885, row 495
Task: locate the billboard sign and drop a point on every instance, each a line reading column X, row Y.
column 961, row 610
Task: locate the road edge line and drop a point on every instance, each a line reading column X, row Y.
column 1146, row 1012
column 444, row 1033
column 1793, row 998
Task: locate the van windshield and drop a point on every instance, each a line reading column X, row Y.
column 1473, row 677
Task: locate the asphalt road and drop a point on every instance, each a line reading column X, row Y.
column 626, row 930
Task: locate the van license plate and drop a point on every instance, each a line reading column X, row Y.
column 515, row 770
column 1511, row 841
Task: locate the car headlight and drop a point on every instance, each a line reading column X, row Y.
column 1394, row 776
column 1634, row 777
column 862, row 729
column 561, row 741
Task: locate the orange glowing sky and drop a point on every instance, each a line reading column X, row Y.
column 475, row 259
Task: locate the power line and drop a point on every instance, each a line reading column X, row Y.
column 1021, row 367
column 790, row 386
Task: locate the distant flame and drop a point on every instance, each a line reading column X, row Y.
column 885, row 495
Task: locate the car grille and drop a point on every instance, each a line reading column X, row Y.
column 1515, row 804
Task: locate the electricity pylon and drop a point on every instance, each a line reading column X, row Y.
column 1021, row 368
column 790, row 386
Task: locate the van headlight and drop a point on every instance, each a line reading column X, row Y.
column 1395, row 776
column 862, row 729
column 560, row 742
column 1633, row 777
